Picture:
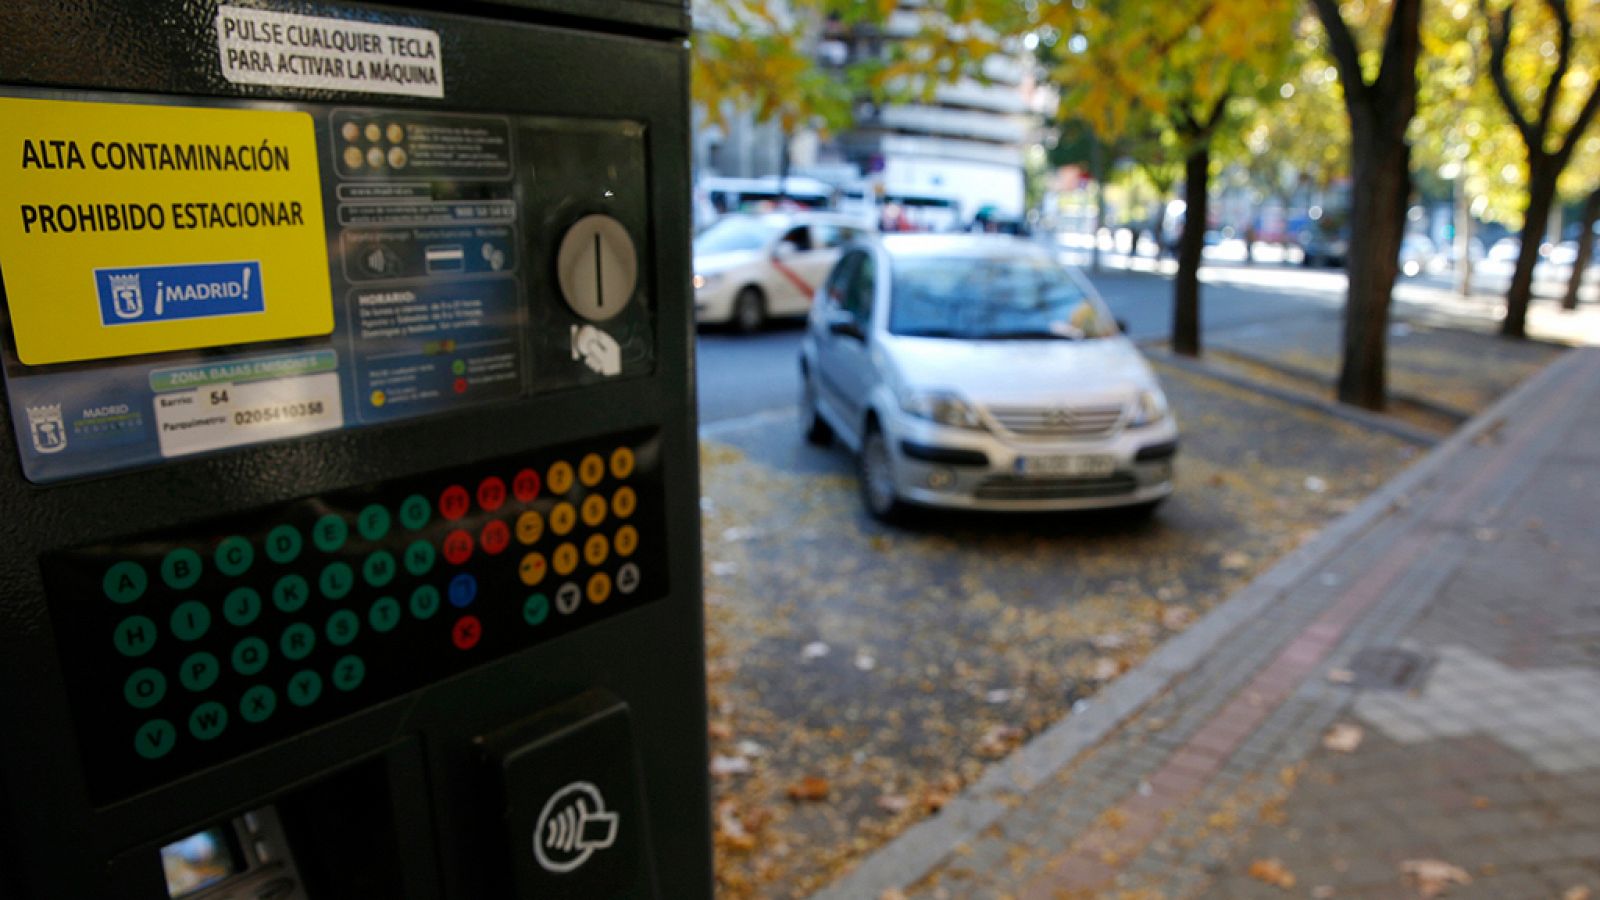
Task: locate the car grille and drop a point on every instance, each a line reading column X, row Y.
column 1011, row 487
column 1058, row 421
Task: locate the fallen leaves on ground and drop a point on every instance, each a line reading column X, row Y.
column 1432, row 877
column 1343, row 737
column 809, row 789
column 1272, row 872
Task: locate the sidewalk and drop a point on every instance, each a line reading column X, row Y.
column 1451, row 623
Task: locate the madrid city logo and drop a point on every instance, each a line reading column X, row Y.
column 127, row 295
column 47, row 428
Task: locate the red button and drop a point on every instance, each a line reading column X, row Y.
column 525, row 485
column 454, row 502
column 457, row 547
column 491, row 493
column 466, row 632
column 495, row 537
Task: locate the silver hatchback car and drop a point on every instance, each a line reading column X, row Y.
column 977, row 372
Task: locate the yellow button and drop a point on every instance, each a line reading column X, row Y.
column 621, row 462
column 565, row 559
column 593, row 510
column 562, row 518
column 591, row 469
column 531, row 571
column 599, row 587
column 559, row 479
column 627, row 540
column 530, row 527
column 623, row 503
column 596, row 549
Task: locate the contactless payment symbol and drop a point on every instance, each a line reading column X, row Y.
column 573, row 825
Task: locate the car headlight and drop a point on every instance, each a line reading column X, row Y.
column 943, row 407
column 1151, row 408
column 704, row 281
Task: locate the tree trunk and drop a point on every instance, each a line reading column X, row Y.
column 1591, row 213
column 1186, row 289
column 1541, row 195
column 1380, row 189
column 783, row 171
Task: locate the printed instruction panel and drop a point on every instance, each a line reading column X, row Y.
column 173, row 288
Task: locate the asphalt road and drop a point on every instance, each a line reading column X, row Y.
column 740, row 376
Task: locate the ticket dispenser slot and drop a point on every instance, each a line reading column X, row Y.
column 348, row 453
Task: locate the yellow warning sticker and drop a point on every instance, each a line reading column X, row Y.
column 129, row 229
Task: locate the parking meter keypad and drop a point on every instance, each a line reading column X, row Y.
column 187, row 648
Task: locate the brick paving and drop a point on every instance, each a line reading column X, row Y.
column 1480, row 565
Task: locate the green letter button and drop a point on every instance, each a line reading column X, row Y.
column 125, row 582
column 145, row 688
column 419, row 557
column 536, row 609
column 425, row 601
column 283, row 544
column 414, row 512
column 136, row 635
column 199, row 671
column 234, row 556
column 304, row 688
column 250, row 656
column 208, row 720
column 336, row 580
column 191, row 621
column 373, row 522
column 155, row 739
column 242, row 606
column 349, row 672
column 330, row 533
column 258, row 703
column 290, row 593
column 384, row 615
column 379, row 568
column 180, row 568
column 343, row 627
column 297, row 641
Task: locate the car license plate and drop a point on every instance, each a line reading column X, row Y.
column 1067, row 466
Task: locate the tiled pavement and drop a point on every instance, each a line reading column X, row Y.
column 1481, row 565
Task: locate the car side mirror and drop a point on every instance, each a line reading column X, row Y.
column 844, row 324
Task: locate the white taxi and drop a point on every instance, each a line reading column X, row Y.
column 750, row 268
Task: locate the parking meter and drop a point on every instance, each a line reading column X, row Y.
column 349, row 468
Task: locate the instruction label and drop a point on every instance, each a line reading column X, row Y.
column 258, row 46
column 126, row 223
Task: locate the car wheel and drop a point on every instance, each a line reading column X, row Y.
column 875, row 474
column 815, row 428
column 749, row 311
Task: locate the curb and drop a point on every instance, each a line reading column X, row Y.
column 922, row 847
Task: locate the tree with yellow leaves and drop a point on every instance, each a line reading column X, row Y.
column 758, row 57
column 1544, row 62
column 1179, row 64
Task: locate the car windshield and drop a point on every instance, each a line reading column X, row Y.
column 735, row 234
column 992, row 298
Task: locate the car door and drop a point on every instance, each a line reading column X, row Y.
column 792, row 280
column 846, row 358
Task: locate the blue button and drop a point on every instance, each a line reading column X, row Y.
column 463, row 590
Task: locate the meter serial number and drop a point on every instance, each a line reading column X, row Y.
column 267, row 414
